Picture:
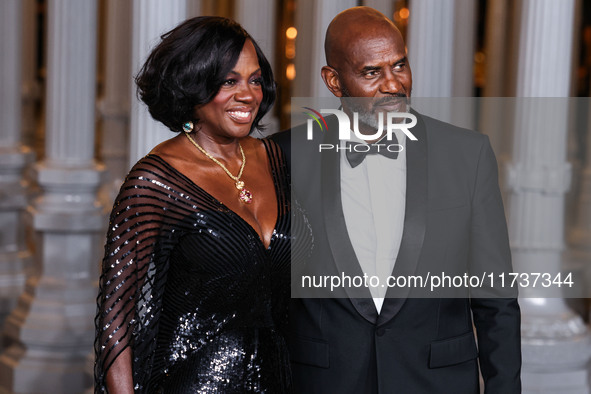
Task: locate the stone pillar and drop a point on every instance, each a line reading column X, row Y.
column 151, row 19
column 113, row 114
column 14, row 255
column 556, row 345
column 312, row 19
column 259, row 18
column 386, row 7
column 113, row 107
column 430, row 45
column 52, row 327
column 441, row 53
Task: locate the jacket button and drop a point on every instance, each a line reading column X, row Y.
column 380, row 332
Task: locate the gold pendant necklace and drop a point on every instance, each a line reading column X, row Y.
column 245, row 194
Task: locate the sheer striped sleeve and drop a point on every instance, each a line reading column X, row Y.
column 133, row 271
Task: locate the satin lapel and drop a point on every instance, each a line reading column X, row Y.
column 336, row 228
column 415, row 219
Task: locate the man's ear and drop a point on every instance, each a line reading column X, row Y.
column 330, row 76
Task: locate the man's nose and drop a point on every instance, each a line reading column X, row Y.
column 390, row 83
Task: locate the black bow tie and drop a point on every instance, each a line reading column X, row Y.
column 355, row 156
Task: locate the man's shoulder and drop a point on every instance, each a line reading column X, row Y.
column 282, row 138
column 441, row 132
column 434, row 125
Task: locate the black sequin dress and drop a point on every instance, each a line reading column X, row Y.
column 190, row 287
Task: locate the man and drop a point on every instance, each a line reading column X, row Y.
column 442, row 209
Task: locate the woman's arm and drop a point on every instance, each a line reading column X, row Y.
column 131, row 281
column 119, row 376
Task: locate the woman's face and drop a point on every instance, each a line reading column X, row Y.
column 231, row 112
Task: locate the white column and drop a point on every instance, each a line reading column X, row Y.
column 441, row 54
column 113, row 112
column 312, row 19
column 151, row 19
column 258, row 18
column 113, row 107
column 52, row 328
column 14, row 256
column 429, row 43
column 546, row 30
column 555, row 343
column 386, row 7
column 431, row 46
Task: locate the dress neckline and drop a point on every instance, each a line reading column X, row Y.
column 231, row 211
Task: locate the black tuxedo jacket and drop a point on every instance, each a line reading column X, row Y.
column 454, row 222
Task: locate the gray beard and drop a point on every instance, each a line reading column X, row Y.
column 369, row 119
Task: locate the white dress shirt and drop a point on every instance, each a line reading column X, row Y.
column 373, row 196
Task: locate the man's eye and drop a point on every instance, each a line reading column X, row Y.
column 399, row 66
column 371, row 74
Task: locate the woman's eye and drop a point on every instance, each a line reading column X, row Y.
column 229, row 82
column 257, row 81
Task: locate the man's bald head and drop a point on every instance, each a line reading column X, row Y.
column 366, row 57
column 353, row 24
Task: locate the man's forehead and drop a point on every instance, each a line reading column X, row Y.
column 374, row 50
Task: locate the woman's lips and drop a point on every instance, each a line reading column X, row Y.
column 240, row 116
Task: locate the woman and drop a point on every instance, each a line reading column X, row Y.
column 195, row 283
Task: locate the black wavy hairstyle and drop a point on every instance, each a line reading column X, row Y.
column 189, row 66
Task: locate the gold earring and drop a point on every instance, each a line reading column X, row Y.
column 188, row 127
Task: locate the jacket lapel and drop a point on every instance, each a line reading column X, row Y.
column 336, row 228
column 415, row 219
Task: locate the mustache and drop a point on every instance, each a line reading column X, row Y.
column 394, row 99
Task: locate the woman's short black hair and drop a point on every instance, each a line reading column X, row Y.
column 189, row 66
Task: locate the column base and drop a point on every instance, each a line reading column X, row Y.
column 50, row 334
column 556, row 348
column 13, row 268
column 556, row 355
column 572, row 382
column 37, row 371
